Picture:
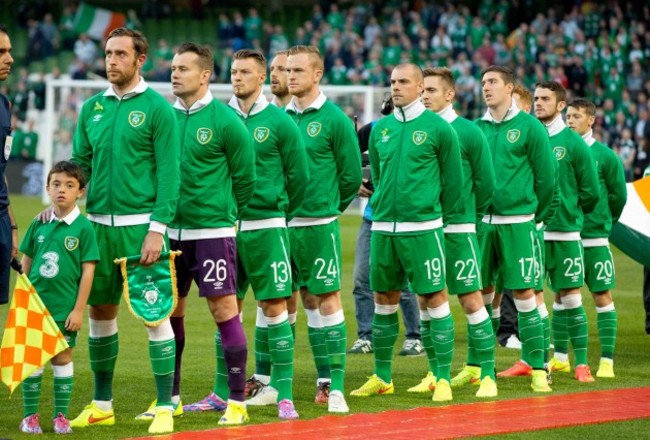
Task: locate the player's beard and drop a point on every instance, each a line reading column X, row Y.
column 125, row 77
column 280, row 91
column 244, row 95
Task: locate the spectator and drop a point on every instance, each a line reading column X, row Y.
column 50, row 35
column 85, row 49
column 626, row 150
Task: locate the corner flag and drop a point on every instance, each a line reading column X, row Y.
column 31, row 337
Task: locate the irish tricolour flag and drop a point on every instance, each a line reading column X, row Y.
column 97, row 22
column 632, row 232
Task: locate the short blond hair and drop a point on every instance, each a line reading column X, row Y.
column 311, row 51
column 444, row 73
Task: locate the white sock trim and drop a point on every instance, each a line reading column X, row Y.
column 163, row 332
column 260, row 319
column 496, row 312
column 104, row 405
column 558, row 307
column 572, row 301
column 526, row 305
column 313, row 318
column 66, row 370
column 386, row 309
column 262, row 378
column 102, row 328
column 543, row 311
column 335, row 318
column 321, row 380
column 275, row 320
column 488, row 298
column 293, row 317
column 424, row 315
column 439, row 312
column 37, row 373
column 607, row 308
column 478, row 317
column 562, row 357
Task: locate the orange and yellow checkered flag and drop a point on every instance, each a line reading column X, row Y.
column 31, row 337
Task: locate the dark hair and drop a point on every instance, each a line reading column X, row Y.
column 244, row 54
column 584, row 104
column 139, row 41
column 506, row 73
column 555, row 87
column 206, row 60
column 3, row 29
column 71, row 169
column 444, row 73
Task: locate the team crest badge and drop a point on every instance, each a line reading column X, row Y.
column 419, row 137
column 261, row 134
column 314, row 128
column 559, row 152
column 71, row 243
column 204, row 135
column 98, row 107
column 136, row 118
column 513, row 136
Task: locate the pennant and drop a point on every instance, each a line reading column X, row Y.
column 632, row 232
column 31, row 337
column 150, row 291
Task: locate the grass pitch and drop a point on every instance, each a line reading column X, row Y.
column 134, row 385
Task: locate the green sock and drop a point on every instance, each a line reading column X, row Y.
column 336, row 338
column 496, row 322
column 472, row 355
column 559, row 331
column 316, row 338
column 221, row 376
column 293, row 331
column 546, row 323
column 103, row 354
column 578, row 333
column 163, row 357
column 262, row 352
column 482, row 336
column 607, row 329
column 442, row 335
column 532, row 334
column 282, row 348
column 425, row 334
column 384, row 335
column 31, row 387
column 62, row 394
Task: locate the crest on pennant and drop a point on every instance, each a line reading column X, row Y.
column 559, row 152
column 314, row 128
column 203, row 135
column 71, row 243
column 513, row 136
column 136, row 118
column 419, row 137
column 261, row 134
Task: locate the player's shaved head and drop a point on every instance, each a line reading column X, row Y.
column 414, row 68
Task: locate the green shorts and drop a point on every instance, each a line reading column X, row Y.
column 540, row 260
column 564, row 264
column 420, row 259
column 264, row 263
column 463, row 270
column 114, row 242
column 508, row 250
column 70, row 337
column 316, row 257
column 600, row 274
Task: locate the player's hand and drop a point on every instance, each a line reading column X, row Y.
column 151, row 248
column 363, row 190
column 74, row 321
column 45, row 215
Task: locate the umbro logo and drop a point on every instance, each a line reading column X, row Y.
column 283, row 343
column 235, row 370
column 218, row 285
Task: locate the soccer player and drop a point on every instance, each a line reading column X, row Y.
column 126, row 141
column 463, row 272
column 8, row 226
column 334, row 178
column 416, row 169
column 217, row 152
column 59, row 259
column 262, row 238
column 279, row 87
column 600, row 275
column 578, row 195
column 523, row 194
